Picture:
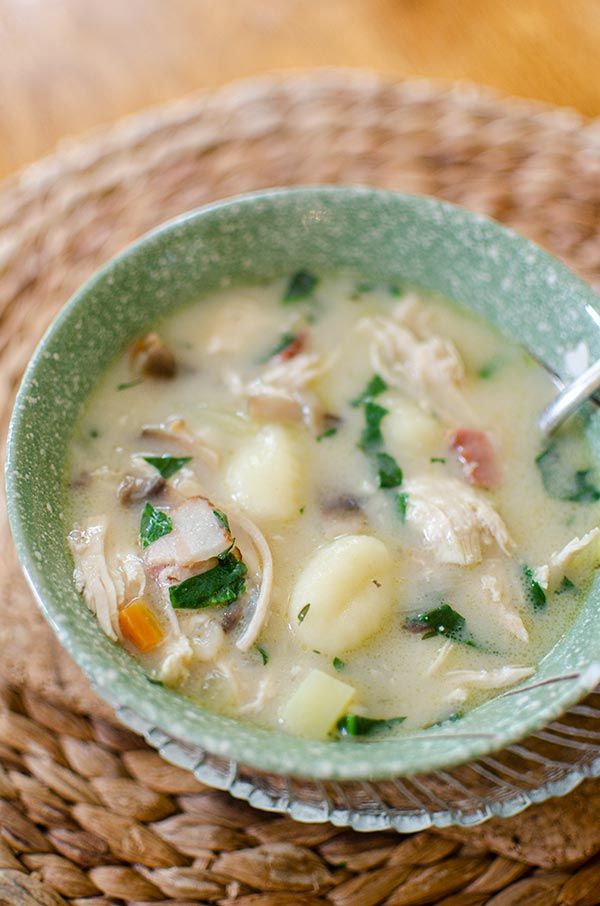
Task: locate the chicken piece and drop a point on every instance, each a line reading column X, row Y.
column 426, row 367
column 275, row 408
column 500, row 597
column 247, row 533
column 204, row 633
column 151, row 357
column 455, row 521
column 198, row 535
column 477, row 455
column 105, row 585
column 491, row 679
column 175, row 430
column 178, row 655
column 576, row 561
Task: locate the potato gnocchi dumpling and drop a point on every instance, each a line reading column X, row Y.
column 346, row 594
column 322, row 505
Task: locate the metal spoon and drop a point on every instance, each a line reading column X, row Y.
column 569, row 399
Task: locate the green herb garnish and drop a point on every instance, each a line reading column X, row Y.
column 338, row 664
column 329, row 433
column 375, row 386
column 222, row 584
column 153, row 525
column 356, row 725
column 533, row 589
column 94, row 433
column 444, row 621
column 490, row 368
column 285, row 340
column 301, row 285
column 303, row 613
column 560, row 481
column 389, row 473
column 301, row 510
column 167, row 465
column 401, row 501
column 371, row 436
column 438, row 459
column 129, row 384
column 222, row 518
column 396, row 289
column 565, row 585
column 263, row 654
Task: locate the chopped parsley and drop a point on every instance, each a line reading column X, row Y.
column 396, row 289
column 301, row 510
column 356, row 725
column 301, row 285
column 490, row 368
column 329, row 433
column 375, row 386
column 559, row 479
column 338, row 664
column 222, row 584
column 263, row 654
column 167, row 465
column 444, row 621
column 129, row 384
column 222, row 518
column 438, row 459
column 303, row 613
column 401, row 501
column 94, row 433
column 565, row 585
column 371, row 436
column 389, row 473
column 533, row 589
column 284, row 341
column 153, row 525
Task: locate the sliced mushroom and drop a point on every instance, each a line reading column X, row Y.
column 343, row 515
column 151, row 357
column 134, row 488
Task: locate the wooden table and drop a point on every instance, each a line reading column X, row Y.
column 68, row 65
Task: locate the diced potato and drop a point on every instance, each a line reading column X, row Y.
column 408, row 430
column 318, row 702
column 344, row 594
column 265, row 475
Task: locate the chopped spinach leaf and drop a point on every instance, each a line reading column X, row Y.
column 375, row 386
column 371, row 436
column 222, row 518
column 329, row 433
column 129, row 384
column 301, row 510
column 365, row 286
column 389, row 473
column 152, row 678
column 356, row 725
column 396, row 288
column 167, row 465
column 94, row 433
column 438, row 459
column 565, row 585
column 301, row 285
column 490, row 368
column 284, row 341
column 153, row 525
column 263, row 654
column 444, row 621
column 222, row 584
column 559, row 479
column 338, row 664
column 401, row 501
column 533, row 589
column 303, row 613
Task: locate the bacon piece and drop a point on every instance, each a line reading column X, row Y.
column 293, row 348
column 477, row 455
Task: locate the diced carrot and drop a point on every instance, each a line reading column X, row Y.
column 140, row 626
column 477, row 455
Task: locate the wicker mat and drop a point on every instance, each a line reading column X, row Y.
column 89, row 814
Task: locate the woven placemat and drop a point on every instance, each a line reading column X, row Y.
column 89, row 814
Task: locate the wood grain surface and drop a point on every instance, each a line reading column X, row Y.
column 68, row 65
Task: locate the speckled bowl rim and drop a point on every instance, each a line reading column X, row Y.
column 272, row 750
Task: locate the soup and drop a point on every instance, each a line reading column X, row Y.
column 324, row 505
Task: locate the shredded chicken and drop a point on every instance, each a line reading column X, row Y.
column 500, row 596
column 425, row 366
column 576, row 561
column 198, row 535
column 105, row 585
column 176, row 430
column 204, row 633
column 174, row 667
column 456, row 521
column 491, row 679
column 441, row 657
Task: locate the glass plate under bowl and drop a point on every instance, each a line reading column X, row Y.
column 551, row 762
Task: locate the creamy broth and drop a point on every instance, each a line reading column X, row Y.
column 380, row 445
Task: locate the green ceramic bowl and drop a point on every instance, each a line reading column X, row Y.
column 529, row 295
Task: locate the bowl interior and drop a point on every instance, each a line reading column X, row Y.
column 529, row 295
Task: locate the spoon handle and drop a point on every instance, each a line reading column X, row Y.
column 569, row 399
